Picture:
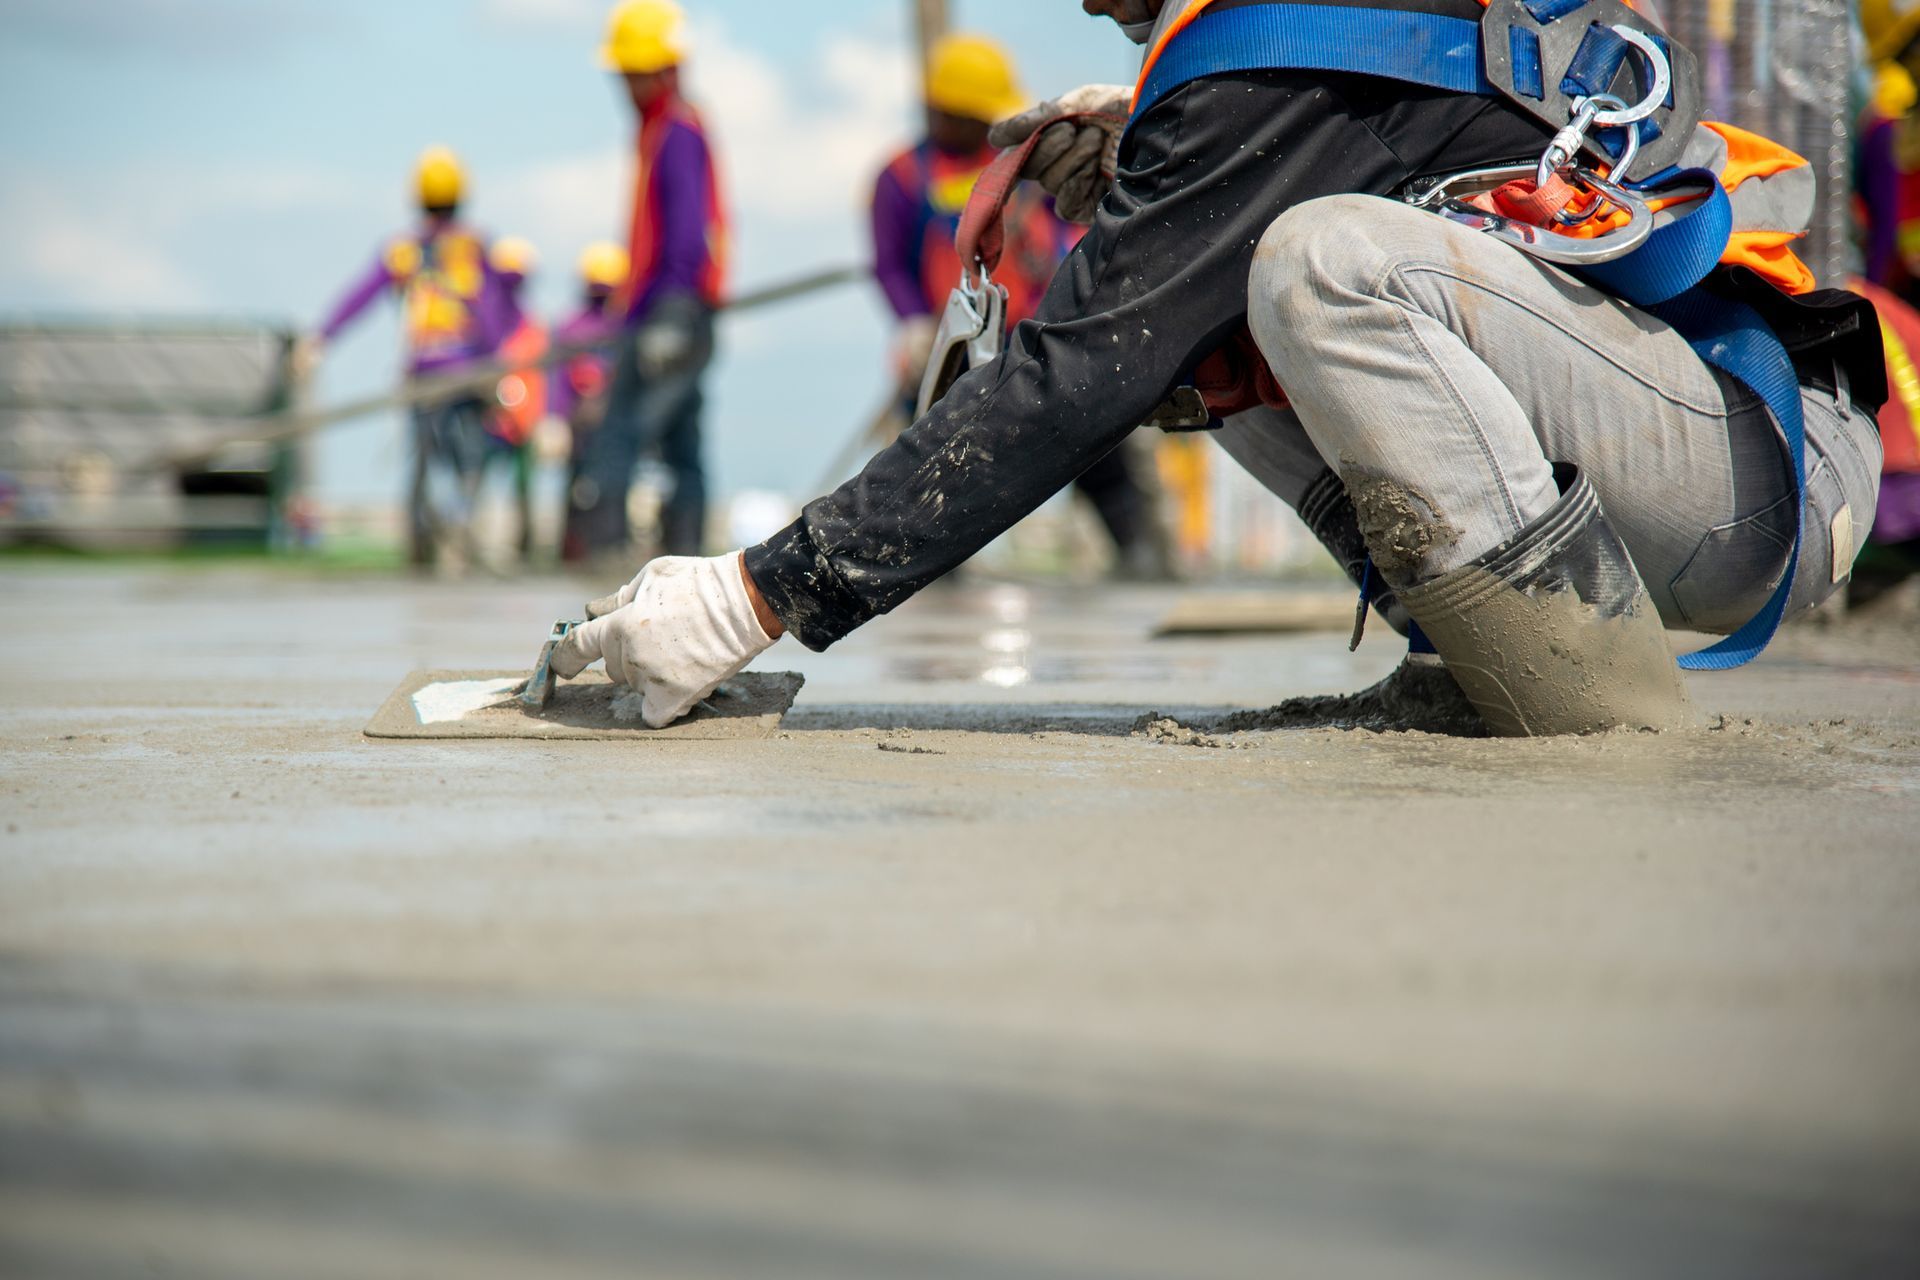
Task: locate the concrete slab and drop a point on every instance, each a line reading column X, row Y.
column 454, row 705
column 951, row 976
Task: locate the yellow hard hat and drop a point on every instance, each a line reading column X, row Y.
column 973, row 76
column 439, row 178
column 1894, row 92
column 604, row 265
column 1890, row 26
column 514, row 256
column 644, row 36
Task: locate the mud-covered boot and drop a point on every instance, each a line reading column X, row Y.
column 1328, row 513
column 1553, row 632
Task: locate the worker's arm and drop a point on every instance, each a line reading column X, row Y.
column 1155, row 286
column 357, row 298
column 897, row 247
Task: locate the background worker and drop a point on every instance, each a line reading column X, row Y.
column 577, row 392
column 917, row 202
column 677, row 245
column 453, row 312
column 1440, row 373
column 1887, row 178
column 520, row 397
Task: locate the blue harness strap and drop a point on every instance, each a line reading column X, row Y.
column 1733, row 338
column 1679, row 254
column 1419, row 48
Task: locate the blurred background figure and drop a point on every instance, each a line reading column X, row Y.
column 918, row 198
column 578, row 392
column 1887, row 183
column 677, row 246
column 454, row 313
column 1887, row 168
column 520, row 397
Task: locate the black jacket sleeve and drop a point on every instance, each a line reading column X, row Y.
column 1157, row 283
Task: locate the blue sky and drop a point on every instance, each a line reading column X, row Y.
column 222, row 157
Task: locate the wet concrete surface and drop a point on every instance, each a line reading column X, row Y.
column 954, row 976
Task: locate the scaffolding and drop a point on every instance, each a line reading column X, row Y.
column 1784, row 68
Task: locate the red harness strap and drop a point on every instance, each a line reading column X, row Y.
column 982, row 237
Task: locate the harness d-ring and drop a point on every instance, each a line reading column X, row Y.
column 1662, row 70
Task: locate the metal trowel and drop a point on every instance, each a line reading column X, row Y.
column 538, row 690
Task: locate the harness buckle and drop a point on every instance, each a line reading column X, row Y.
column 1553, row 65
column 1449, row 196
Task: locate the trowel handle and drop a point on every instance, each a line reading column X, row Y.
column 538, row 691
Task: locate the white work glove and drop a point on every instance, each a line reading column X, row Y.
column 1074, row 161
column 678, row 630
column 308, row 352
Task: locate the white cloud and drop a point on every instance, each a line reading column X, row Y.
column 148, row 236
column 81, row 254
column 544, row 12
column 804, row 142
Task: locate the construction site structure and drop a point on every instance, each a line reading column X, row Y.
column 146, row 434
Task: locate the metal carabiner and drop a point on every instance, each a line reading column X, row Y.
column 1448, row 198
column 1605, row 111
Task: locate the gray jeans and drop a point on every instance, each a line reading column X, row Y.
column 1441, row 373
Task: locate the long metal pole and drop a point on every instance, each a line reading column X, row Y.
column 929, row 24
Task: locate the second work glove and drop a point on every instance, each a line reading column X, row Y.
column 1075, row 160
column 677, row 631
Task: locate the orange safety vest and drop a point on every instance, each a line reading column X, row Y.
column 440, row 279
column 521, row 397
column 643, row 238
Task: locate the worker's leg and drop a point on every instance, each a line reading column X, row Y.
column 522, row 461
column 1272, row 446
column 683, row 517
column 1126, row 511
column 420, row 534
column 1444, row 374
column 670, row 423
column 606, row 464
column 1439, row 371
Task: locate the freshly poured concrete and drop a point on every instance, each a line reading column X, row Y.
column 953, row 976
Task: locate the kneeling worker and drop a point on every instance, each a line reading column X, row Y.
column 1544, row 463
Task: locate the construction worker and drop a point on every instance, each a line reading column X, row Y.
column 577, row 394
column 678, row 249
column 454, row 312
column 1887, row 168
column 520, row 397
column 1541, row 470
column 917, row 202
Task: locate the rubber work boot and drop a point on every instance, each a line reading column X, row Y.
column 1553, row 632
column 1328, row 513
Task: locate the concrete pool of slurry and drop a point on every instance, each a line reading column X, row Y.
column 953, row 976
